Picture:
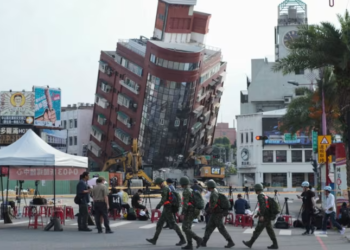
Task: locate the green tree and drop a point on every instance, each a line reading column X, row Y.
column 324, row 45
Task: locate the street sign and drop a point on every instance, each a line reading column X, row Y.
column 314, row 141
column 290, row 137
column 323, row 142
column 338, row 181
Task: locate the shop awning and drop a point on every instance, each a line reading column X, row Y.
column 97, row 129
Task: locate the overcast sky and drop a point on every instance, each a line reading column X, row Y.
column 58, row 42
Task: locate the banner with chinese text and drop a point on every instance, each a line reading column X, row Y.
column 44, row 173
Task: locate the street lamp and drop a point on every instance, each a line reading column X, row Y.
column 324, row 123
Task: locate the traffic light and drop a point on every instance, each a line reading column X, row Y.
column 261, row 138
column 314, row 166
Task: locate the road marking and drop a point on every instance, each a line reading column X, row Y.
column 120, row 223
column 249, row 231
column 319, row 234
column 285, row 232
column 20, row 222
column 216, row 230
column 149, row 226
column 74, row 224
column 321, row 243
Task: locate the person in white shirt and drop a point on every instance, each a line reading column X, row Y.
column 330, row 211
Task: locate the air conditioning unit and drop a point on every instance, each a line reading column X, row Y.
column 287, row 99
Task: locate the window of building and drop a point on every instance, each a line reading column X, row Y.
column 75, row 123
column 297, row 156
column 123, row 100
column 246, row 138
column 177, row 122
column 161, row 121
column 297, row 179
column 64, row 124
column 185, row 122
column 242, row 141
column 153, row 58
column 267, row 156
column 251, row 137
column 281, row 155
column 70, row 123
column 105, row 87
column 308, row 155
column 70, row 141
column 75, row 140
column 279, row 180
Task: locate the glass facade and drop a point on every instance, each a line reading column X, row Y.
column 174, row 65
column 164, row 125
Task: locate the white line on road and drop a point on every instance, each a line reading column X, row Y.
column 20, row 222
column 319, row 234
column 120, row 223
column 285, row 232
column 216, row 230
column 249, row 231
column 149, row 226
column 74, row 224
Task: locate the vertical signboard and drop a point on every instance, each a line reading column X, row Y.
column 314, row 141
column 16, row 108
column 323, row 142
column 47, row 107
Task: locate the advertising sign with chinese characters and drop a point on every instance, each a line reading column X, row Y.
column 11, row 134
column 47, row 107
column 45, row 173
column 323, row 142
column 16, row 108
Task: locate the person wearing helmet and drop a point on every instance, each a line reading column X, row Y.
column 189, row 212
column 264, row 220
column 167, row 214
column 216, row 217
column 308, row 198
column 170, row 182
column 330, row 212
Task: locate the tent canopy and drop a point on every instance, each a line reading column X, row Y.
column 31, row 150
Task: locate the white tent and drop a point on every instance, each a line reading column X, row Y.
column 31, row 150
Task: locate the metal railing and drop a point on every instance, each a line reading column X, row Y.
column 126, row 44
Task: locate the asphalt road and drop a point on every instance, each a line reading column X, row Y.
column 132, row 235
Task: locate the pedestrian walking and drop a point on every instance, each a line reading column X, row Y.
column 309, row 204
column 189, row 212
column 216, row 218
column 264, row 220
column 172, row 189
column 330, row 212
column 167, row 214
column 84, row 199
column 101, row 205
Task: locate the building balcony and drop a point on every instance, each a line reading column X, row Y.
column 105, row 87
column 124, row 118
column 130, row 85
column 122, row 136
column 196, row 127
column 101, row 119
column 126, row 101
column 100, row 101
column 95, row 149
column 117, row 148
column 200, row 97
column 198, row 111
column 97, row 133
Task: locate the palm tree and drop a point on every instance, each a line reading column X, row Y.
column 319, row 46
column 305, row 112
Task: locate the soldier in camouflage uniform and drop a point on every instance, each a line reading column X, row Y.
column 264, row 220
column 216, row 218
column 167, row 215
column 190, row 213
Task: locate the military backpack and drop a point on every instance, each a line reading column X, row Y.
column 198, row 201
column 223, row 202
column 274, row 208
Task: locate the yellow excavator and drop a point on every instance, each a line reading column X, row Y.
column 132, row 166
column 203, row 171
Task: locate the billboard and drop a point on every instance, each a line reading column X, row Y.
column 47, row 107
column 9, row 135
column 16, row 108
column 271, row 129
